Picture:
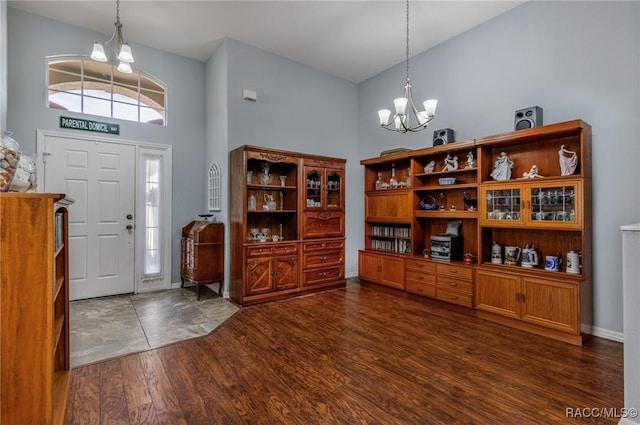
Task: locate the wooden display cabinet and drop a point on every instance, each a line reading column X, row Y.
column 551, row 212
column 299, row 199
column 34, row 308
column 203, row 254
column 396, row 223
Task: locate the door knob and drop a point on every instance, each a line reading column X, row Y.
column 129, row 216
column 129, row 227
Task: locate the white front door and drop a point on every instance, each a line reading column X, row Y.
column 100, row 177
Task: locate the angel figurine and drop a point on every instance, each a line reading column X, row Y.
column 502, row 167
column 568, row 161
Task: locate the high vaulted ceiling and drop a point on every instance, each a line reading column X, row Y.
column 354, row 40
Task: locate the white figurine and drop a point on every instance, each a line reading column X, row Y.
column 502, row 167
column 471, row 163
column 450, row 164
column 568, row 161
column 430, row 167
column 532, row 174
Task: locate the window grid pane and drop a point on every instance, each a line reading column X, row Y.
column 153, row 237
column 77, row 74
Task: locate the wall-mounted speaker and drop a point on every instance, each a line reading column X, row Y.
column 442, row 137
column 528, row 118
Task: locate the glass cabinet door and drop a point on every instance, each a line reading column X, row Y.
column 551, row 204
column 501, row 205
column 548, row 204
column 334, row 189
column 324, row 189
column 313, row 189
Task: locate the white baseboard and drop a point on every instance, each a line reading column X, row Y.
column 606, row 333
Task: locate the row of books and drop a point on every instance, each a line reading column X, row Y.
column 391, row 231
column 396, row 245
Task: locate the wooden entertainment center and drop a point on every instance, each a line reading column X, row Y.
column 551, row 211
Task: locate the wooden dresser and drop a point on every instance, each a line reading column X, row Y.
column 34, row 308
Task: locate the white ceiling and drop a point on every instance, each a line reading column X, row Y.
column 354, row 40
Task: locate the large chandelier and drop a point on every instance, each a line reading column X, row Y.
column 407, row 117
column 125, row 56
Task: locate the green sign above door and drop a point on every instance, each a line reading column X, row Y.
column 88, row 125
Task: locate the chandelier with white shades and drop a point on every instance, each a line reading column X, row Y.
column 125, row 55
column 407, row 117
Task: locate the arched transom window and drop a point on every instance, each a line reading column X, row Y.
column 80, row 84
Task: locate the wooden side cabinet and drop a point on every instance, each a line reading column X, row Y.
column 203, row 254
column 384, row 269
column 549, row 307
column 34, row 308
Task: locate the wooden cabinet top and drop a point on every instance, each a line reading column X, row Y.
column 558, row 130
column 204, row 231
column 278, row 155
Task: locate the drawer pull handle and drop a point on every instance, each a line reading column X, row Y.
column 323, row 274
column 325, row 258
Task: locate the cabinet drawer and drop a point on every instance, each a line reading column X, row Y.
column 454, row 297
column 322, row 245
column 258, row 251
column 420, row 265
column 328, row 258
column 448, row 283
column 285, row 249
column 421, row 287
column 313, row 277
column 280, row 249
column 459, row 272
column 420, row 277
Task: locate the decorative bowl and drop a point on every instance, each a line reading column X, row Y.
column 447, row 180
column 428, row 203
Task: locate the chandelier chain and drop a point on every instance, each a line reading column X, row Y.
column 407, row 39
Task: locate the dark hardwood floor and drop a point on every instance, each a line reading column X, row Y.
column 364, row 355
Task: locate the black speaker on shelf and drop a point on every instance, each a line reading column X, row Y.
column 442, row 137
column 528, row 118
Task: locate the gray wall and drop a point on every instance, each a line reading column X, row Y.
column 31, row 38
column 3, row 64
column 575, row 60
column 298, row 109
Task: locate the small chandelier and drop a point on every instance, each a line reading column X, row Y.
column 125, row 56
column 407, row 120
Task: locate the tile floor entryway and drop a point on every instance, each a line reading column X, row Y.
column 103, row 328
